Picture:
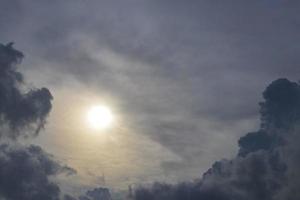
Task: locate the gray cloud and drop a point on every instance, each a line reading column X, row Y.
column 266, row 167
column 94, row 194
column 25, row 172
column 199, row 64
column 18, row 109
column 97, row 193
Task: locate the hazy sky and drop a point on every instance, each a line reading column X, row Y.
column 183, row 78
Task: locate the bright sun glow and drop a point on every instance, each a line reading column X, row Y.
column 100, row 117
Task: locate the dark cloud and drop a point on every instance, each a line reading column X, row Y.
column 254, row 141
column 18, row 109
column 94, row 194
column 25, row 173
column 266, row 166
column 97, row 194
column 282, row 105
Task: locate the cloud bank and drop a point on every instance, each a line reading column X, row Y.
column 267, row 164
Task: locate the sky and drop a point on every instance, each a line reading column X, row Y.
column 183, row 78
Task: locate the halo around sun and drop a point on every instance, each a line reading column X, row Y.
column 100, row 117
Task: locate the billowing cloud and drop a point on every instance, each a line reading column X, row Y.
column 25, row 173
column 267, row 165
column 18, row 109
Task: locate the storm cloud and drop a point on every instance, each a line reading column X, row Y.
column 267, row 165
column 25, row 173
column 18, row 109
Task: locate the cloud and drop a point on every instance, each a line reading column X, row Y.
column 18, row 109
column 202, row 62
column 28, row 172
column 94, row 194
column 25, row 173
column 97, row 193
column 267, row 165
column 281, row 108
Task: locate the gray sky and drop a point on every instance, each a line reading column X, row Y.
column 183, row 77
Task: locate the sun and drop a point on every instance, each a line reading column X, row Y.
column 100, row 117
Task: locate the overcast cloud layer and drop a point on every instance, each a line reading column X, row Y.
column 186, row 75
